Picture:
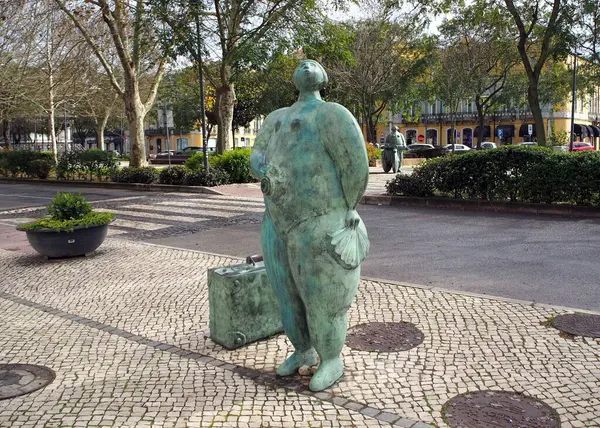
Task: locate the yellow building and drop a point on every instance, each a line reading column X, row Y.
column 507, row 126
column 156, row 139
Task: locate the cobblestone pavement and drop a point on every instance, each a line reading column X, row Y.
column 126, row 333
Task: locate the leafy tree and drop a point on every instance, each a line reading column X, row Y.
column 481, row 36
column 243, row 33
column 135, row 44
column 450, row 81
column 544, row 32
column 386, row 59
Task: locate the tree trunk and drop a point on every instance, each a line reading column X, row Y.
column 100, row 125
column 536, row 110
column 51, row 129
column 224, row 107
column 480, row 121
column 100, row 137
column 136, row 113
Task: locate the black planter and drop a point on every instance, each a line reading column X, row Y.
column 80, row 242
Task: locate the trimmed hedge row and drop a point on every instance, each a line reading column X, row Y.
column 516, row 174
column 25, row 163
column 86, row 164
column 230, row 167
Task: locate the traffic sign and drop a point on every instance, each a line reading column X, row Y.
column 530, row 129
column 500, row 133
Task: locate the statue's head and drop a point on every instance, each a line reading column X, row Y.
column 394, row 129
column 310, row 76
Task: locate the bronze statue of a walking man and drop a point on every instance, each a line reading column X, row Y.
column 312, row 163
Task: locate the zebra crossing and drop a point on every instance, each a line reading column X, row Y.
column 159, row 214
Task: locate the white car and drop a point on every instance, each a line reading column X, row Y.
column 488, row 145
column 457, row 148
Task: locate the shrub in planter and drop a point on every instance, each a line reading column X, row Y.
column 144, row 175
column 236, row 163
column 173, row 175
column 213, row 177
column 72, row 228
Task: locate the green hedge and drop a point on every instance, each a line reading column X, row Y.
column 144, row 175
column 26, row 163
column 236, row 163
column 510, row 173
column 86, row 165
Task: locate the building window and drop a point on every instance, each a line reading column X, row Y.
column 411, row 136
column 182, row 143
column 467, row 136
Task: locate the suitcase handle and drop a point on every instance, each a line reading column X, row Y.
column 254, row 259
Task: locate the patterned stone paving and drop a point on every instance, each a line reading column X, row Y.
column 131, row 322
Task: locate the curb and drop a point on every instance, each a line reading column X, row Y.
column 565, row 210
column 432, row 288
column 110, row 185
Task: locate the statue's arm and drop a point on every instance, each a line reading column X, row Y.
column 345, row 145
column 258, row 163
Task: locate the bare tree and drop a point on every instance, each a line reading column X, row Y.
column 387, row 57
column 133, row 41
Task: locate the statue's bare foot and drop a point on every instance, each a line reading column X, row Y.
column 297, row 360
column 328, row 373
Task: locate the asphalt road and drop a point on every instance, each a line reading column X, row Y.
column 536, row 258
column 14, row 196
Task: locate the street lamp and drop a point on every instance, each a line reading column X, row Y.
column 573, row 101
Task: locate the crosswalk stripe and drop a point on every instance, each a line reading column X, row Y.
column 257, row 203
column 192, row 211
column 222, row 209
column 17, row 221
column 194, row 196
column 152, row 216
column 142, row 225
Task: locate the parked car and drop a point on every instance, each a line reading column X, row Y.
column 457, row 148
column 486, row 145
column 581, row 146
column 415, row 148
column 190, row 150
column 166, row 153
column 560, row 148
column 527, row 143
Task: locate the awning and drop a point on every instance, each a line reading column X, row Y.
column 486, row 132
column 596, row 130
column 580, row 130
column 508, row 131
column 590, row 131
column 524, row 130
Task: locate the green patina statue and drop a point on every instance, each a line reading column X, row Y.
column 312, row 163
column 395, row 144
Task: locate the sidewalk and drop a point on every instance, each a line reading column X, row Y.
column 376, row 185
column 126, row 333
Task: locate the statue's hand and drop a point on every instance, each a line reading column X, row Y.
column 352, row 219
